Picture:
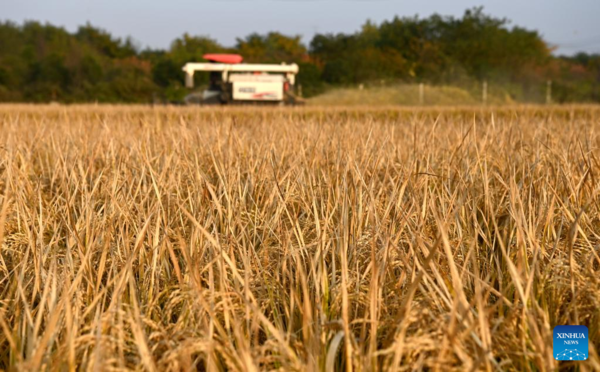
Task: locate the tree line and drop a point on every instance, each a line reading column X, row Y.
column 42, row 62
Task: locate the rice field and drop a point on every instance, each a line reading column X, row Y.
column 302, row 239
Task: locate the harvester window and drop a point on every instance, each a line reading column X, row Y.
column 215, row 80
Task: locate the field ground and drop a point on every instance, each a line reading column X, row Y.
column 297, row 239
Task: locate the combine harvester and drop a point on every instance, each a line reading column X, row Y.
column 234, row 82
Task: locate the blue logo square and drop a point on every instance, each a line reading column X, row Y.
column 570, row 342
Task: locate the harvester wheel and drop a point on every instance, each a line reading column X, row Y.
column 225, row 98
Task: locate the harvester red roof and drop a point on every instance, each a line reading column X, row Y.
column 224, row 58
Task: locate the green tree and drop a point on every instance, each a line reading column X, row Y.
column 104, row 43
column 271, row 48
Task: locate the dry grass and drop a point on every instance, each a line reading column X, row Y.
column 300, row 239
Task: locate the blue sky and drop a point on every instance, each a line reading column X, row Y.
column 571, row 25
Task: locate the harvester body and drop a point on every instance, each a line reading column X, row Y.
column 235, row 82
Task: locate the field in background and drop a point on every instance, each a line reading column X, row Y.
column 408, row 95
column 297, row 239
